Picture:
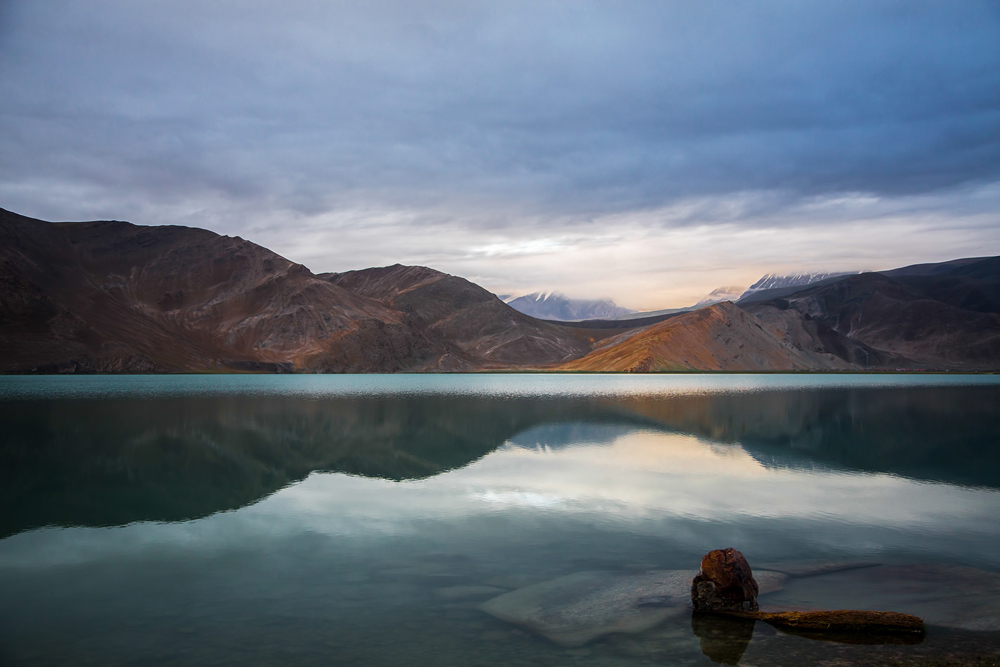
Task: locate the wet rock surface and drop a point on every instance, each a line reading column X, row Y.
column 724, row 583
column 582, row 607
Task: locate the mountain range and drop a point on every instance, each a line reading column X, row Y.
column 772, row 281
column 113, row 297
column 559, row 307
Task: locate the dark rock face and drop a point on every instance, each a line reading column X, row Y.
column 943, row 317
column 725, row 583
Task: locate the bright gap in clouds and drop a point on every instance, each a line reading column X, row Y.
column 663, row 258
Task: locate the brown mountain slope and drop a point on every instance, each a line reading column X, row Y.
column 946, row 322
column 116, row 297
column 453, row 308
column 722, row 337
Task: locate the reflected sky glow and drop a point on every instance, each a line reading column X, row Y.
column 646, row 475
column 642, row 482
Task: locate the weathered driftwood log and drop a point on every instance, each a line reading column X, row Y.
column 841, row 620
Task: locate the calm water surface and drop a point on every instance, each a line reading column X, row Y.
column 362, row 520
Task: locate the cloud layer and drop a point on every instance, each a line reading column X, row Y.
column 462, row 134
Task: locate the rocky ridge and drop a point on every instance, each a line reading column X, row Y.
column 463, row 313
column 949, row 320
column 113, row 297
column 721, row 337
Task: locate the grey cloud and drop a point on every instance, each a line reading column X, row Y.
column 560, row 109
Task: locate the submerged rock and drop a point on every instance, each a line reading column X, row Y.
column 724, row 583
column 581, row 607
column 467, row 592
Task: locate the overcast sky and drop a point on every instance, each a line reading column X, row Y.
column 644, row 151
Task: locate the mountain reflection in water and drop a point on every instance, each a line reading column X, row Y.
column 103, row 462
column 369, row 520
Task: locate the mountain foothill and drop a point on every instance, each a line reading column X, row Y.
column 113, row 297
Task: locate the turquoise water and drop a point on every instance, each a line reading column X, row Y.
column 364, row 519
column 484, row 384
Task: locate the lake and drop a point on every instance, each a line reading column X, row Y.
column 479, row 519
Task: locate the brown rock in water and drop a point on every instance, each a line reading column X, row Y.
column 725, row 583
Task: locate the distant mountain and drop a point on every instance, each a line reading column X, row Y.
column 773, row 281
column 650, row 314
column 715, row 296
column 719, row 295
column 547, row 306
